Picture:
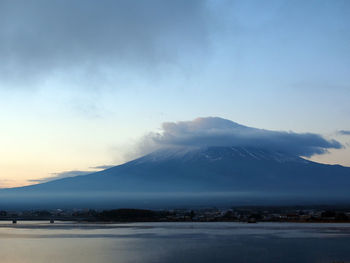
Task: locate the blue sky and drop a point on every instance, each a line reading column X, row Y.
column 81, row 82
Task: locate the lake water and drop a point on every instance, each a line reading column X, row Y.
column 68, row 242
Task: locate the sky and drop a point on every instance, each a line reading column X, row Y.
column 83, row 83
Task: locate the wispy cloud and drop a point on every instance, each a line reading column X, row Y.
column 344, row 132
column 55, row 176
column 5, row 183
column 214, row 131
column 102, row 167
column 65, row 174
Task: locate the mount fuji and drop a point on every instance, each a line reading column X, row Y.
column 185, row 176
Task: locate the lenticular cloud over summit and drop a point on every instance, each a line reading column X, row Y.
column 215, row 131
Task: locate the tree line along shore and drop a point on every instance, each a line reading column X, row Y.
column 320, row 214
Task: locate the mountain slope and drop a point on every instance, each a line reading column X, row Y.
column 232, row 174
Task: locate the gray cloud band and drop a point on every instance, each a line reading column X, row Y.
column 344, row 132
column 215, row 131
column 40, row 37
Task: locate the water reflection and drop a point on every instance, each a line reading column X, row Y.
column 173, row 242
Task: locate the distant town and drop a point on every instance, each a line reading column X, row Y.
column 249, row 214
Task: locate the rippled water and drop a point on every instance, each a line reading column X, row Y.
column 173, row 242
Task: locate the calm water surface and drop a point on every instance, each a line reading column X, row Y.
column 67, row 242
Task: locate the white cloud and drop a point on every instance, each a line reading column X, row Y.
column 214, row 131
